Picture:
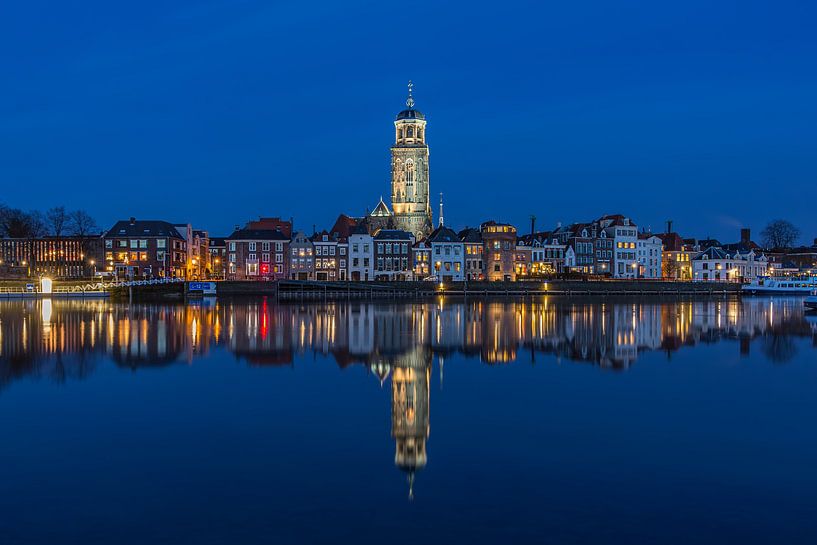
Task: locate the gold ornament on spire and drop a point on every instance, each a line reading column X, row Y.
column 410, row 99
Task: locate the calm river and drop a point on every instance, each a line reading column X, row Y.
column 481, row 422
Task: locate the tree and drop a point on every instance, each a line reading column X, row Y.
column 57, row 220
column 82, row 224
column 14, row 223
column 780, row 234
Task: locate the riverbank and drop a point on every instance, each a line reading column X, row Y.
column 292, row 290
column 289, row 290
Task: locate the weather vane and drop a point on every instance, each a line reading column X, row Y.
column 410, row 99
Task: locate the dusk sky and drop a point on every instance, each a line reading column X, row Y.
column 218, row 112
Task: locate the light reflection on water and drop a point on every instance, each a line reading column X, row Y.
column 62, row 339
column 403, row 346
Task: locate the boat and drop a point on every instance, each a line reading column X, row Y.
column 769, row 285
column 811, row 301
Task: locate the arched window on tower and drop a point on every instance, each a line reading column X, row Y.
column 411, row 131
column 409, row 171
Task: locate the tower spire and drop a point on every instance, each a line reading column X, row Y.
column 442, row 222
column 410, row 99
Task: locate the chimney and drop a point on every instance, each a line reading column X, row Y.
column 558, row 225
column 669, row 226
column 236, row 227
column 132, row 220
column 745, row 235
column 532, row 225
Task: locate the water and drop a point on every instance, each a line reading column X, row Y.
column 556, row 421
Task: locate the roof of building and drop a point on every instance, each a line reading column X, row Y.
column 712, row 252
column 708, row 243
column 672, row 242
column 443, row 234
column 218, row 241
column 471, row 235
column 257, row 234
column 318, row 237
column 743, row 247
column 411, row 113
column 359, row 229
column 343, row 226
column 542, row 237
column 381, row 210
column 143, row 228
column 392, row 234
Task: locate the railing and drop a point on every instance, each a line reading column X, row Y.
column 92, row 287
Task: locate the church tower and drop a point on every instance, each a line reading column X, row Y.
column 410, row 194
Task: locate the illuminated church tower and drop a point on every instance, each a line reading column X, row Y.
column 409, row 172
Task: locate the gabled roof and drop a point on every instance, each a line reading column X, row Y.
column 443, row 234
column 711, row 253
column 542, row 237
column 257, row 234
column 381, row 210
column 143, row 228
column 470, row 235
column 344, row 226
column 318, row 237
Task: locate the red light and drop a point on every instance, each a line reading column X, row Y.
column 264, row 268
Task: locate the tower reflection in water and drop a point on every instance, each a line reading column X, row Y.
column 62, row 340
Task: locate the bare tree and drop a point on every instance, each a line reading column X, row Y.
column 82, row 224
column 57, row 220
column 780, row 234
column 14, row 223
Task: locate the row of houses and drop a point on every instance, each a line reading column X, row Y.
column 362, row 249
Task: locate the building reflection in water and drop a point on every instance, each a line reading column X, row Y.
column 64, row 339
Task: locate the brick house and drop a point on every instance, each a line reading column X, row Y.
column 145, row 249
column 257, row 254
column 499, row 251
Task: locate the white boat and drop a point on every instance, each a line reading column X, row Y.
column 811, row 301
column 768, row 285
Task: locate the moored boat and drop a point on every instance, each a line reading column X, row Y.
column 771, row 285
column 811, row 301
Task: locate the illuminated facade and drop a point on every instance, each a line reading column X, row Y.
column 145, row 249
column 499, row 255
column 410, row 194
column 57, row 257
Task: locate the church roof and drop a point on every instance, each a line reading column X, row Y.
column 411, row 113
column 381, row 210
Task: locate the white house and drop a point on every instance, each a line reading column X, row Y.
column 649, row 249
column 361, row 255
column 716, row 265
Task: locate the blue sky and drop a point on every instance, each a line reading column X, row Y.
column 216, row 112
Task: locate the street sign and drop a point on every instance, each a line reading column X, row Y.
column 207, row 288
